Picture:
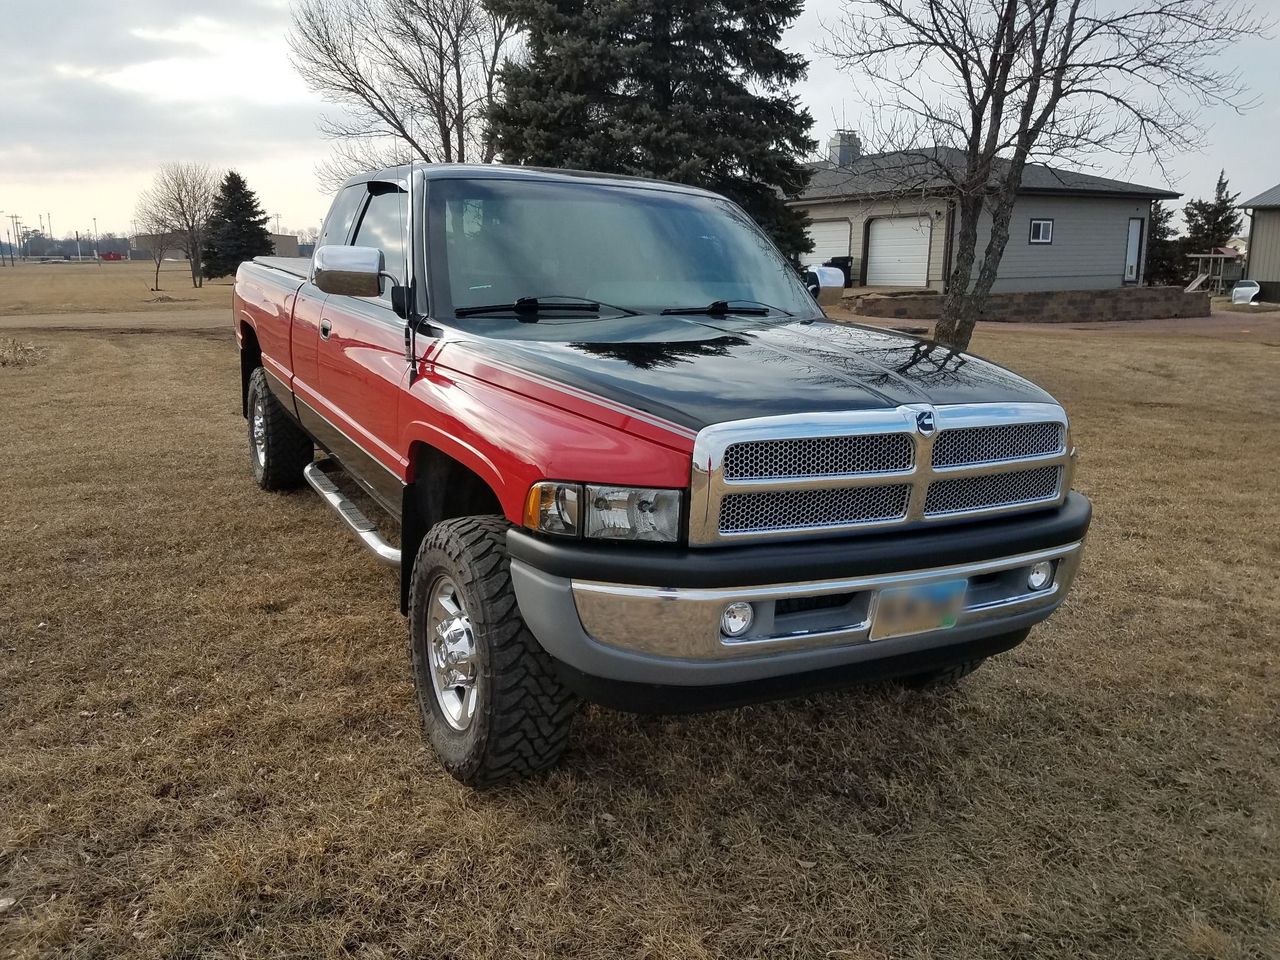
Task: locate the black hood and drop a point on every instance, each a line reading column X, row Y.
column 697, row 371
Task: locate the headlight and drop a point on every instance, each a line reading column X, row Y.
column 606, row 513
column 554, row 508
column 633, row 513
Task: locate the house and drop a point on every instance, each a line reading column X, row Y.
column 888, row 219
column 1264, row 243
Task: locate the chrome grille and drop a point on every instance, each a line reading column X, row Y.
column 819, row 456
column 1010, row 441
column 966, row 494
column 803, row 509
column 818, row 474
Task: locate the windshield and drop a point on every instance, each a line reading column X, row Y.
column 634, row 249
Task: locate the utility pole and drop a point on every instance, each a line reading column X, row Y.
column 9, row 234
column 277, row 216
column 96, row 255
column 2, row 254
column 48, row 217
column 77, row 246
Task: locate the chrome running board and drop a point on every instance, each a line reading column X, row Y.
column 364, row 528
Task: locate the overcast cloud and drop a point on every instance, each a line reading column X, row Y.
column 99, row 93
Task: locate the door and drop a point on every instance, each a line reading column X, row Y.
column 360, row 358
column 304, row 334
column 898, row 251
column 830, row 240
column 1133, row 251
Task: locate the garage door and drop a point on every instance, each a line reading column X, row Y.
column 830, row 239
column 898, row 252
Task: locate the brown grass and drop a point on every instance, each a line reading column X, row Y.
column 19, row 353
column 39, row 288
column 210, row 746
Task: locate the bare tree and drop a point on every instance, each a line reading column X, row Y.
column 977, row 89
column 179, row 203
column 148, row 222
column 413, row 77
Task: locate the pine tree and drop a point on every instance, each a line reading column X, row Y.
column 1211, row 223
column 1167, row 264
column 695, row 91
column 237, row 230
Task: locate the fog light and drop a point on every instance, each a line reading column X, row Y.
column 1041, row 575
column 736, row 619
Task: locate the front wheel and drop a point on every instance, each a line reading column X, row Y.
column 490, row 700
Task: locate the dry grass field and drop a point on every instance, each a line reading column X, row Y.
column 209, row 747
column 105, row 287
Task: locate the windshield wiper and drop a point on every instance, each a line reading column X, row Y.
column 722, row 308
column 534, row 305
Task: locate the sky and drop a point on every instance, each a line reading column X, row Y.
column 99, row 94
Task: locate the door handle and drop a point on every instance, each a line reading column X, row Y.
column 325, row 329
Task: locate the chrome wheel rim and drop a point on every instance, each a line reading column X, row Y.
column 452, row 652
column 258, row 432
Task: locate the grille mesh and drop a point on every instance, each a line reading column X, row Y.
column 1010, row 441
column 992, row 490
column 801, row 509
column 818, row 456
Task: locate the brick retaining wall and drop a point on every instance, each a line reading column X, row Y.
column 1052, row 306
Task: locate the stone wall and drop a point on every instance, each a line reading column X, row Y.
column 1051, row 306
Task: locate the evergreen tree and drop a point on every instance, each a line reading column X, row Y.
column 1211, row 223
column 1167, row 264
column 695, row 91
column 237, row 229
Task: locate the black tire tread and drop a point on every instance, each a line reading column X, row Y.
column 944, row 677
column 531, row 712
column 289, row 449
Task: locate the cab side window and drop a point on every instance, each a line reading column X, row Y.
column 382, row 227
column 337, row 226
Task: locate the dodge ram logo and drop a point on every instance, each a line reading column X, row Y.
column 924, row 423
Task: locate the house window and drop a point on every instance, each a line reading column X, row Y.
column 1042, row 231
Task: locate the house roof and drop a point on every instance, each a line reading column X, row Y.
column 917, row 171
column 1267, row 198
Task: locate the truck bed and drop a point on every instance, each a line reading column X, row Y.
column 294, row 266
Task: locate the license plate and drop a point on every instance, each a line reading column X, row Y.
column 918, row 608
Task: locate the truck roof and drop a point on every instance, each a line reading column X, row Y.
column 497, row 171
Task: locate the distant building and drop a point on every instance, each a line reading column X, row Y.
column 143, row 244
column 285, row 245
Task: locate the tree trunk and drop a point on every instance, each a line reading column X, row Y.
column 157, row 286
column 951, row 327
column 962, row 308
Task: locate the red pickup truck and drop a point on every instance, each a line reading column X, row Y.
column 629, row 460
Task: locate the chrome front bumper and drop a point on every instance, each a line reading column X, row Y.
column 672, row 636
column 685, row 623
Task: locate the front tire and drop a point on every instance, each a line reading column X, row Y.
column 279, row 450
column 491, row 704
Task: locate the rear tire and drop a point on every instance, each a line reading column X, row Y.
column 279, row 450
column 491, row 703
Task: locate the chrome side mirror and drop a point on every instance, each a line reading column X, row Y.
column 826, row 284
column 348, row 271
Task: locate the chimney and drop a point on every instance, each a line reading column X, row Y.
column 844, row 148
